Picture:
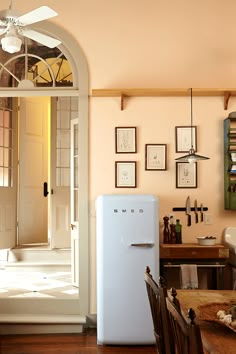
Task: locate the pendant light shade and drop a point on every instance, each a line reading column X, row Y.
column 191, row 157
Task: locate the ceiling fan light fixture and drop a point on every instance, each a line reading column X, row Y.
column 16, row 25
column 11, row 43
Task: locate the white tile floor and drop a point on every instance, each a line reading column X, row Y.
column 36, row 284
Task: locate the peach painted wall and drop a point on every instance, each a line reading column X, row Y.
column 154, row 43
column 155, row 119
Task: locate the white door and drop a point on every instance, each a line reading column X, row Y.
column 33, row 170
column 8, row 176
column 74, row 203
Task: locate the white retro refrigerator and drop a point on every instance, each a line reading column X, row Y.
column 127, row 232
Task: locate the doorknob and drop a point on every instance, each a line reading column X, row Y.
column 72, row 226
column 45, row 189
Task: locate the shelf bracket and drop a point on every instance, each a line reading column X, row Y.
column 122, row 100
column 226, row 100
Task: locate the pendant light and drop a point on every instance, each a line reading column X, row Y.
column 191, row 157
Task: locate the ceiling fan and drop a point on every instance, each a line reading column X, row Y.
column 13, row 25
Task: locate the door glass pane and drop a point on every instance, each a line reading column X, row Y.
column 76, row 216
column 1, row 118
column 1, row 176
column 75, row 168
column 6, row 182
column 1, row 136
column 76, row 141
column 65, row 158
column 76, row 180
column 7, row 135
column 1, row 156
column 6, row 147
column 7, row 119
column 67, row 107
column 65, row 177
column 6, row 158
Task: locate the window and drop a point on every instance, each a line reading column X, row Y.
column 35, row 66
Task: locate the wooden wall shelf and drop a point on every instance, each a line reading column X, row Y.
column 159, row 92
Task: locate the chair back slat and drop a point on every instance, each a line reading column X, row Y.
column 186, row 333
column 161, row 323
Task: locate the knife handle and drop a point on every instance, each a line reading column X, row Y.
column 189, row 220
column 196, row 218
column 201, row 216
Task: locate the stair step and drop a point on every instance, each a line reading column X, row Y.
column 37, row 266
column 50, row 306
column 21, row 315
column 39, row 254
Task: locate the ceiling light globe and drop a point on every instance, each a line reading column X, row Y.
column 11, row 44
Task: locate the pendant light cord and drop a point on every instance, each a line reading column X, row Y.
column 191, row 100
column 191, row 157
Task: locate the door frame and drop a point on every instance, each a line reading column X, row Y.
column 79, row 67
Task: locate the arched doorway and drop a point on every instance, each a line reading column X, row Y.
column 74, row 55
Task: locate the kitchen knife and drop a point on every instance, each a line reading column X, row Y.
column 196, row 211
column 188, row 211
column 201, row 212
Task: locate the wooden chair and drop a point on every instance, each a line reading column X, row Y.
column 186, row 333
column 157, row 299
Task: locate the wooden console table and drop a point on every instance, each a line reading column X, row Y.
column 214, row 257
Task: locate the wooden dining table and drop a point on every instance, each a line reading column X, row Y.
column 216, row 338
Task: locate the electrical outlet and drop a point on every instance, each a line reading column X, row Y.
column 208, row 219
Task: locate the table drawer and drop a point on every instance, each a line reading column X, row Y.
column 199, row 252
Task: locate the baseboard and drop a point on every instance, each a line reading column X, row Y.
column 40, row 329
column 36, row 324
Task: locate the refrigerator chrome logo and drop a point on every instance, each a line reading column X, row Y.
column 125, row 211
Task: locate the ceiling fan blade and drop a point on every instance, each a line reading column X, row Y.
column 39, row 14
column 41, row 38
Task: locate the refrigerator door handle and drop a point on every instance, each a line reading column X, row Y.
column 142, row 244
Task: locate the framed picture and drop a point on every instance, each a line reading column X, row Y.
column 155, row 157
column 186, row 175
column 126, row 142
column 183, row 137
column 125, row 174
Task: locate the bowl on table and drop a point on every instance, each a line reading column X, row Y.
column 206, row 240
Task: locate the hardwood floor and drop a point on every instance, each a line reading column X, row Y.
column 64, row 344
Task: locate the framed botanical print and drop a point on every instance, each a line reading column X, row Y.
column 184, row 136
column 155, row 157
column 186, row 175
column 125, row 174
column 125, row 140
